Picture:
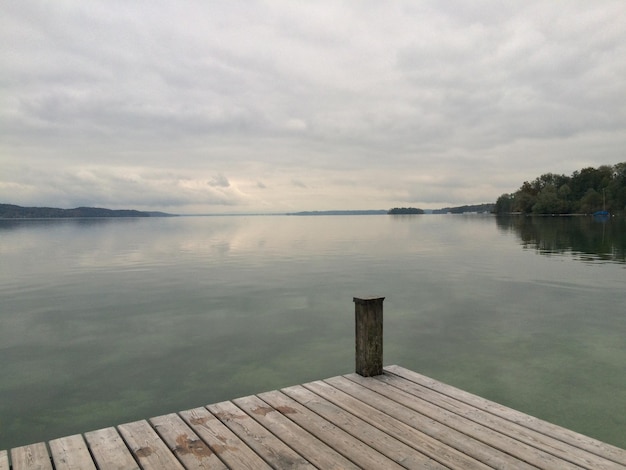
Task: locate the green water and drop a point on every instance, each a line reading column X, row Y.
column 109, row 321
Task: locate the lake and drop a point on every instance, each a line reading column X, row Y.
column 105, row 321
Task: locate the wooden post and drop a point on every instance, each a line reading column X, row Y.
column 368, row 313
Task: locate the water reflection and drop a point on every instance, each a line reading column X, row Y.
column 87, row 222
column 590, row 239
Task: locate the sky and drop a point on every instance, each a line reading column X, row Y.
column 282, row 106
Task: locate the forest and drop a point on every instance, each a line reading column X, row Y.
column 584, row 192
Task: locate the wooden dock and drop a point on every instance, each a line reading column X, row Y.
column 394, row 419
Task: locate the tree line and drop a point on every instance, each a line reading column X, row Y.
column 584, row 192
column 405, row 210
column 486, row 207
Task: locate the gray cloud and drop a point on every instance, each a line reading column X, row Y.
column 428, row 103
column 219, row 181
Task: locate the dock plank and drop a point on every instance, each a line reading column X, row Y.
column 286, row 425
column 192, row 451
column 412, row 437
column 4, row 460
column 495, row 439
column 372, row 437
column 445, row 434
column 147, row 447
column 31, row 457
column 70, row 453
column 261, row 440
column 573, row 438
column 228, row 447
column 330, row 432
column 531, row 437
column 109, row 450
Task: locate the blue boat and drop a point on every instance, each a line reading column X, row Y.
column 603, row 214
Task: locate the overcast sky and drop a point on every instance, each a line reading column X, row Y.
column 274, row 106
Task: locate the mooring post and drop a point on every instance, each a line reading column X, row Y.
column 368, row 313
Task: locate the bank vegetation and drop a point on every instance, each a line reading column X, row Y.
column 584, row 192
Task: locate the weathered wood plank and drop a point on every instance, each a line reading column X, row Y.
column 446, row 434
column 185, row 444
column 433, row 448
column 228, row 447
column 566, row 435
column 261, row 440
column 31, row 457
column 109, row 450
column 374, row 438
column 4, row 460
column 283, row 424
column 70, row 453
column 490, row 437
column 147, row 447
column 328, row 432
column 538, row 440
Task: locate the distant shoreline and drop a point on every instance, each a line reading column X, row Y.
column 11, row 211
column 341, row 212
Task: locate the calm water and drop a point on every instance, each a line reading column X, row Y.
column 108, row 321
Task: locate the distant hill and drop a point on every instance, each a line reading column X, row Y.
column 487, row 207
column 10, row 211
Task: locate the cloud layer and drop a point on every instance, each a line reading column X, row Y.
column 269, row 106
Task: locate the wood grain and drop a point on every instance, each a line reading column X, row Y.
column 109, row 450
column 71, row 453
